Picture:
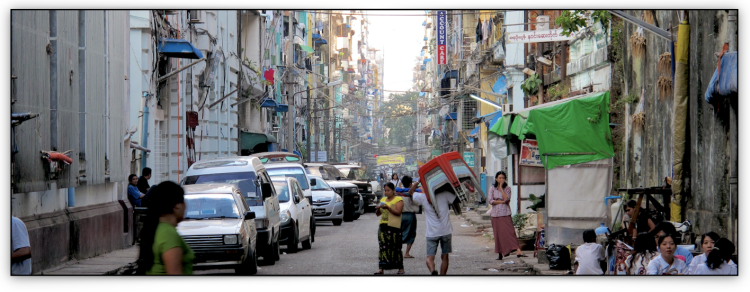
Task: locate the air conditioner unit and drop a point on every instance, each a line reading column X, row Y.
column 195, row 16
column 507, row 108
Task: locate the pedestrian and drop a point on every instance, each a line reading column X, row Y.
column 134, row 195
column 163, row 251
column 439, row 229
column 408, row 217
column 643, row 224
column 389, row 232
column 719, row 261
column 502, row 225
column 665, row 228
column 20, row 256
column 590, row 255
column 645, row 251
column 395, row 181
column 143, row 186
column 708, row 240
column 666, row 263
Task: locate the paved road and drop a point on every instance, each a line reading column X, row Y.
column 352, row 249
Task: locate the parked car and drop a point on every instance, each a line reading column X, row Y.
column 250, row 176
column 349, row 173
column 297, row 171
column 220, row 228
column 327, row 204
column 296, row 214
column 332, row 176
column 276, row 156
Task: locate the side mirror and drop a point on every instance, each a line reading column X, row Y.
column 296, row 199
column 313, row 182
column 309, row 199
column 249, row 215
column 266, row 190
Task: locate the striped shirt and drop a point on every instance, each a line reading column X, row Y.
column 500, row 209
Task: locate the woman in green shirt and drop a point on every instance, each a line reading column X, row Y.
column 163, row 252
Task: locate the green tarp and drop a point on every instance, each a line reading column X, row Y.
column 307, row 49
column 577, row 126
column 502, row 126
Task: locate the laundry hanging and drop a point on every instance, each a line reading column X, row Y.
column 479, row 30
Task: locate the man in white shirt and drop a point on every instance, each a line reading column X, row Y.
column 439, row 229
column 20, row 253
column 589, row 255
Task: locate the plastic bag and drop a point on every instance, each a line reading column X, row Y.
column 559, row 257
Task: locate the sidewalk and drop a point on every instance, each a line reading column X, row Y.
column 106, row 264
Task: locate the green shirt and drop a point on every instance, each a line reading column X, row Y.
column 166, row 237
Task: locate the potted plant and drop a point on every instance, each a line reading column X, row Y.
column 538, row 206
column 530, row 86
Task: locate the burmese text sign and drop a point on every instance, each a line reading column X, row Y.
column 530, row 153
column 537, row 36
column 390, row 159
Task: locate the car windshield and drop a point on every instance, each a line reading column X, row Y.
column 245, row 181
column 320, row 185
column 210, row 206
column 295, row 172
column 336, row 173
column 315, row 170
column 282, row 189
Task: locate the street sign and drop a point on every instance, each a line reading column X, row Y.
column 469, row 158
column 390, row 159
column 530, row 153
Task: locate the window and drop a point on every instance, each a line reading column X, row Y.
column 282, row 190
column 210, row 206
column 295, row 172
column 320, row 185
column 245, row 181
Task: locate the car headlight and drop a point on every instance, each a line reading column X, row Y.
column 369, row 189
column 339, row 199
column 285, row 216
column 230, row 239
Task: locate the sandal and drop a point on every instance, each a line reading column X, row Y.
column 379, row 273
column 401, row 273
column 409, row 257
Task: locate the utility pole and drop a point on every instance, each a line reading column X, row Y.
column 289, row 78
column 330, row 92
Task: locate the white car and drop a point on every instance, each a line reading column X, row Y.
column 327, row 204
column 290, row 169
column 297, row 220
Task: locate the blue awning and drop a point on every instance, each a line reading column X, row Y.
column 268, row 103
column 475, row 131
column 320, row 41
column 500, row 86
column 176, row 48
column 282, row 108
column 451, row 116
column 315, row 36
column 494, row 120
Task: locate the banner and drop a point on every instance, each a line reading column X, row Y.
column 390, row 159
column 530, row 153
column 537, row 36
column 442, row 27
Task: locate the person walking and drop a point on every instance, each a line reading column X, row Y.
column 162, row 250
column 408, row 217
column 20, row 255
column 439, row 229
column 389, row 231
column 502, row 225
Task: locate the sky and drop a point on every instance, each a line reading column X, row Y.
column 402, row 38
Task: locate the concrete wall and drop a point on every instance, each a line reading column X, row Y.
column 711, row 156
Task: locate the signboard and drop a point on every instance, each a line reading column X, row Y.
column 390, row 159
column 469, row 158
column 530, row 153
column 538, row 36
column 442, row 27
column 321, row 155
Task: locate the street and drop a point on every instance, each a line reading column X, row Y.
column 352, row 249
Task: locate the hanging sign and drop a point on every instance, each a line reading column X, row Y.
column 538, row 36
column 530, row 153
column 390, row 159
column 469, row 158
column 441, row 37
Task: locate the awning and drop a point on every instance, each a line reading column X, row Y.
column 494, row 120
column 177, row 48
column 249, row 140
column 307, row 49
column 451, row 116
column 320, row 41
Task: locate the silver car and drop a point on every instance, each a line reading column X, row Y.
column 220, row 228
column 327, row 204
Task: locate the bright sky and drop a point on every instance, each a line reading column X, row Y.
column 401, row 37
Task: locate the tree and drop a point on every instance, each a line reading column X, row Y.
column 399, row 118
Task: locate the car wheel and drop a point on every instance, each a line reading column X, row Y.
column 348, row 214
column 268, row 258
column 313, row 228
column 249, row 266
column 307, row 243
column 292, row 246
column 356, row 215
column 337, row 222
column 276, row 254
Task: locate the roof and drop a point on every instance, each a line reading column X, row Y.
column 212, row 188
column 283, row 164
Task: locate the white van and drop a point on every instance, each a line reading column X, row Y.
column 250, row 176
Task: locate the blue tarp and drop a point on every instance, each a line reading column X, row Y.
column 451, row 116
column 421, row 94
column 177, row 48
column 500, row 86
column 494, row 120
column 725, row 83
column 473, row 132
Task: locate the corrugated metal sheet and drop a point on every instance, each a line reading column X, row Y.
column 95, row 91
column 68, row 97
column 30, row 62
column 118, row 33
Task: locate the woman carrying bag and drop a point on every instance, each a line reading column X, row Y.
column 389, row 231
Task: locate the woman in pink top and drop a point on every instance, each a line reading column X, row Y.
column 502, row 225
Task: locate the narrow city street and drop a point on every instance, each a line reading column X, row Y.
column 352, row 249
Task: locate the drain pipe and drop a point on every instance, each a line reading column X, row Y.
column 144, row 137
column 71, row 197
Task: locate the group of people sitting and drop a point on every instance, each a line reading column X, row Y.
column 656, row 253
